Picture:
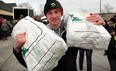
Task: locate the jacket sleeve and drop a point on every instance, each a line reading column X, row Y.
column 106, row 26
column 20, row 58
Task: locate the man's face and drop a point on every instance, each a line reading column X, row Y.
column 110, row 22
column 54, row 17
column 112, row 33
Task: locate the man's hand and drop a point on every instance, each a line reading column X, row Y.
column 19, row 41
column 96, row 19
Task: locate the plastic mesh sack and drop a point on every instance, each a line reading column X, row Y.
column 84, row 34
column 43, row 47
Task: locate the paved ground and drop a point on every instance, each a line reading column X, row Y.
column 8, row 61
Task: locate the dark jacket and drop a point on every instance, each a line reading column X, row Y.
column 112, row 47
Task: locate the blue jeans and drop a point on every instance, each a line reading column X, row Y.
column 88, row 58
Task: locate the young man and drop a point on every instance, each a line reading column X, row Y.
column 54, row 11
column 4, row 29
column 111, row 51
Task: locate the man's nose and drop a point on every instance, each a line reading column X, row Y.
column 54, row 15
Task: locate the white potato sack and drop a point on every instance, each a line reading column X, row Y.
column 84, row 34
column 43, row 47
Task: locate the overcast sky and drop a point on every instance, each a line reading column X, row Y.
column 70, row 5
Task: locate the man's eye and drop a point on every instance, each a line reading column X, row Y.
column 49, row 13
column 56, row 11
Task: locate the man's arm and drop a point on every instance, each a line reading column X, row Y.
column 18, row 43
column 19, row 57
